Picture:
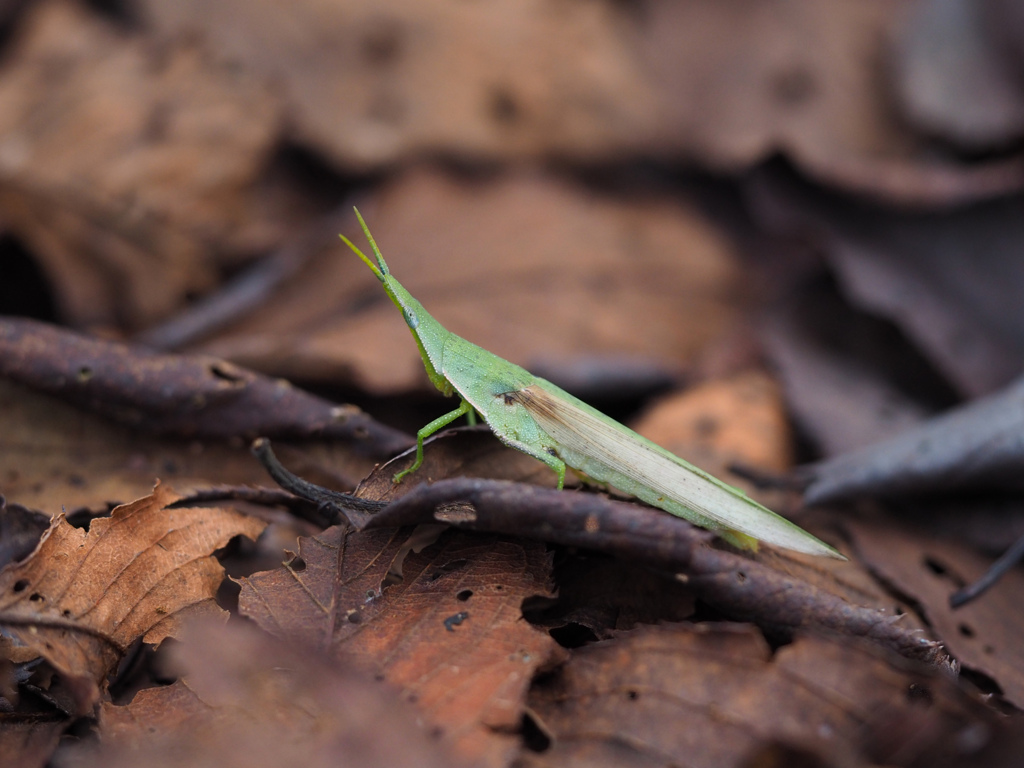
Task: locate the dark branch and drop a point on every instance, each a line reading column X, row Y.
column 1010, row 558
column 338, row 506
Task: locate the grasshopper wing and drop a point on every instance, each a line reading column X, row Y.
column 610, row 452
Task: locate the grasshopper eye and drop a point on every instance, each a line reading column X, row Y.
column 410, row 318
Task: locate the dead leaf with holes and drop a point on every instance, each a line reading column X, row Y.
column 445, row 627
column 779, row 591
column 984, row 635
column 83, row 597
column 715, row 694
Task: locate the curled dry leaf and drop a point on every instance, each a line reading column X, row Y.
column 83, row 597
column 450, row 633
column 715, row 695
column 977, row 446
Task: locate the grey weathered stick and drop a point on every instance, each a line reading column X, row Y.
column 185, row 395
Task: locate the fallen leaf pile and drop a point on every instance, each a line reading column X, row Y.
column 450, row 635
column 781, row 239
column 81, row 599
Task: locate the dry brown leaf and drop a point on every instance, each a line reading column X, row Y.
column 740, row 81
column 532, row 269
column 984, row 635
column 714, row 695
column 450, row 634
column 725, row 83
column 54, row 456
column 740, row 419
column 248, row 700
column 28, row 742
column 778, row 590
column 493, row 80
column 83, row 597
column 126, row 166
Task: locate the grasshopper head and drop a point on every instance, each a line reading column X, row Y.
column 430, row 335
column 380, row 268
column 412, row 310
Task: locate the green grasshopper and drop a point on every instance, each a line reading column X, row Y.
column 546, row 422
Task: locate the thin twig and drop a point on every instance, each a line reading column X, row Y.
column 1010, row 558
column 249, row 290
column 337, row 504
